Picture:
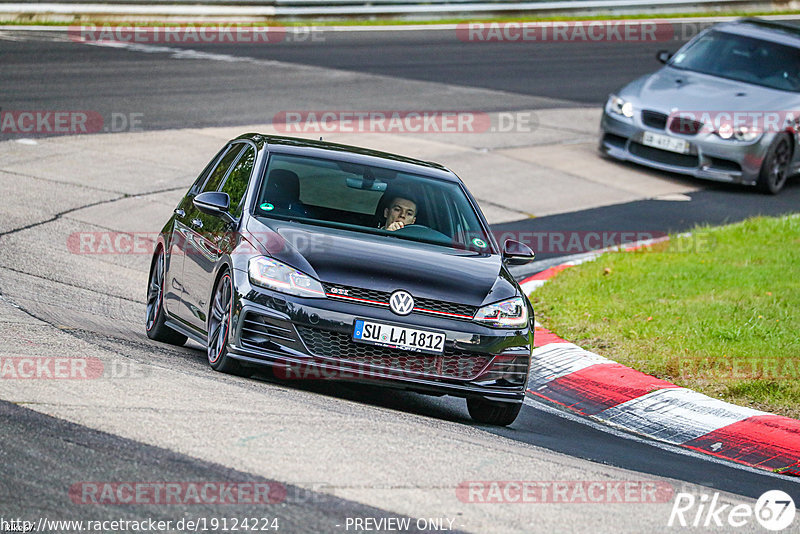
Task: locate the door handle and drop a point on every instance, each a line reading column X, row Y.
column 179, row 212
column 197, row 223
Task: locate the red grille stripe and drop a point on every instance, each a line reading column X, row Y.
column 345, row 297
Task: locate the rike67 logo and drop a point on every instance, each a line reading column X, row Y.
column 774, row 510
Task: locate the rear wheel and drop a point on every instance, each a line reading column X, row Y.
column 775, row 169
column 156, row 329
column 219, row 323
column 493, row 413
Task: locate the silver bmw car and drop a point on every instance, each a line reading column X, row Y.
column 724, row 107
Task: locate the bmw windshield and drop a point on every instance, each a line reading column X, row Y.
column 370, row 199
column 743, row 59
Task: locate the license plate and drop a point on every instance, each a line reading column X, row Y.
column 398, row 337
column 665, row 142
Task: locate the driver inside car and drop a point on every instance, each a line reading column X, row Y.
column 400, row 212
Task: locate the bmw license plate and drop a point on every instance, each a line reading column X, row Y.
column 665, row 142
column 399, row 337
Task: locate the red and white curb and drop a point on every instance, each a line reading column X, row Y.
column 598, row 388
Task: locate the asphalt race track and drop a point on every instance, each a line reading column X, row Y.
column 335, row 452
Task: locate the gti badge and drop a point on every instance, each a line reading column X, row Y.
column 401, row 302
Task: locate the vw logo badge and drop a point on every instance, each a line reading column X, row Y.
column 401, row 302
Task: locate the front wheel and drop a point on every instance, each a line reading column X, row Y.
column 775, row 169
column 219, row 324
column 493, row 413
column 155, row 319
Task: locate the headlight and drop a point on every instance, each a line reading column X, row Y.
column 273, row 274
column 620, row 106
column 740, row 133
column 511, row 313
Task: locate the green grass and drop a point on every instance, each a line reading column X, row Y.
column 718, row 311
column 87, row 20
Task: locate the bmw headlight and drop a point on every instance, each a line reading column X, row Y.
column 740, row 133
column 511, row 313
column 620, row 106
column 273, row 274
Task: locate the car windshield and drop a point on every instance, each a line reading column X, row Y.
column 370, row 199
column 744, row 59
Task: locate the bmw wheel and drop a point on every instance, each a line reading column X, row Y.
column 156, row 329
column 775, row 169
column 219, row 324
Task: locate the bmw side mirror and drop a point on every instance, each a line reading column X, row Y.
column 516, row 253
column 214, row 203
column 663, row 56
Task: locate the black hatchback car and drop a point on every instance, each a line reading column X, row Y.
column 330, row 261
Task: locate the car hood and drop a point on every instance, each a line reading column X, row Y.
column 385, row 263
column 671, row 89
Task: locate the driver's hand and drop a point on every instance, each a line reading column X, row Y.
column 395, row 226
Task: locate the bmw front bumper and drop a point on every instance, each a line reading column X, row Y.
column 709, row 157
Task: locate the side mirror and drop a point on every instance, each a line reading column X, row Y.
column 516, row 253
column 663, row 56
column 214, row 203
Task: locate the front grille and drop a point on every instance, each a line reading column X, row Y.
column 663, row 156
column 264, row 332
column 371, row 297
column 452, row 364
column 685, row 126
column 654, row 119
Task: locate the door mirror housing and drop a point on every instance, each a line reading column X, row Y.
column 663, row 55
column 214, row 203
column 516, row 253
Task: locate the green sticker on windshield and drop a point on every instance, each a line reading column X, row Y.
column 266, row 206
column 478, row 242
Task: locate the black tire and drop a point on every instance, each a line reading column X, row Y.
column 775, row 169
column 493, row 413
column 219, row 324
column 155, row 316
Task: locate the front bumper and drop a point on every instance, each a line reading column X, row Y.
column 306, row 338
column 709, row 158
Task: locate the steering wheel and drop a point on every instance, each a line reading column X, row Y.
column 420, row 231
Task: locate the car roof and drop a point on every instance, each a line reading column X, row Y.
column 352, row 154
column 769, row 30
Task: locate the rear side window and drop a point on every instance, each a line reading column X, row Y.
column 236, row 182
column 216, row 176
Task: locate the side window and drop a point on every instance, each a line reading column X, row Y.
column 236, row 183
column 201, row 179
column 216, row 176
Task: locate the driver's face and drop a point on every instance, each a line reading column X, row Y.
column 400, row 210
